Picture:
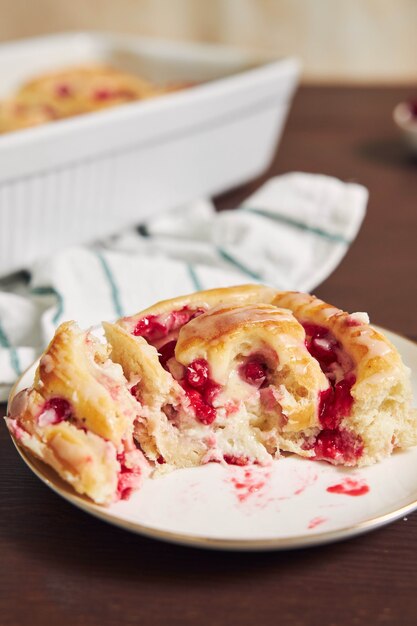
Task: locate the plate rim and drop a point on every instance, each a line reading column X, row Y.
column 199, row 541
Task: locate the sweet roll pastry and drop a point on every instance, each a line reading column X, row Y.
column 362, row 410
column 79, row 416
column 235, row 375
column 223, row 390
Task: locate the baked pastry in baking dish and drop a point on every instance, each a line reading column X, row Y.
column 233, row 375
column 79, row 416
column 17, row 115
column 73, row 91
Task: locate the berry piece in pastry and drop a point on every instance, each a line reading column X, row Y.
column 235, row 377
column 78, row 417
column 209, row 348
column 366, row 412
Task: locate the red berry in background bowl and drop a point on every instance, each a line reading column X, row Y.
column 405, row 118
column 412, row 105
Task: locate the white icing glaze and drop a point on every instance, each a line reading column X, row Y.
column 47, row 363
column 360, row 317
column 220, row 319
column 46, row 418
column 375, row 346
column 235, row 389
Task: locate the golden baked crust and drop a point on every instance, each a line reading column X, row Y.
column 372, row 352
column 370, row 390
column 79, row 416
column 381, row 413
column 226, row 336
column 81, row 458
column 204, row 300
column 140, row 362
column 17, row 115
column 76, row 367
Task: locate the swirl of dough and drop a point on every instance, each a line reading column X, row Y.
column 229, row 337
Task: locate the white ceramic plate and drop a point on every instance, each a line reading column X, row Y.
column 287, row 505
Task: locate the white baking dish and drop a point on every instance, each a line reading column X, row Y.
column 89, row 176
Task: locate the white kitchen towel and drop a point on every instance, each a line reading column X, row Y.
column 290, row 234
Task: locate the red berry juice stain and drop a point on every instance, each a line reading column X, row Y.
column 249, row 483
column 349, row 487
column 316, row 521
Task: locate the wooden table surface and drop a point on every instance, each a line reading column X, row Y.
column 59, row 566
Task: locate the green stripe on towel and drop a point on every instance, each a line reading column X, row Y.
column 238, row 265
column 296, row 224
column 194, row 278
column 114, row 290
column 50, row 291
column 14, row 357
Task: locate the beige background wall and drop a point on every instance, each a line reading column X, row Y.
column 338, row 40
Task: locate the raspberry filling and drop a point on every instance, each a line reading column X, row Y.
column 128, row 478
column 254, row 372
column 196, row 382
column 210, row 391
column 197, row 374
column 167, row 352
column 339, row 446
column 134, row 390
column 205, row 413
column 154, row 327
column 54, row 411
column 232, row 459
column 336, row 401
column 321, row 345
column 201, row 390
